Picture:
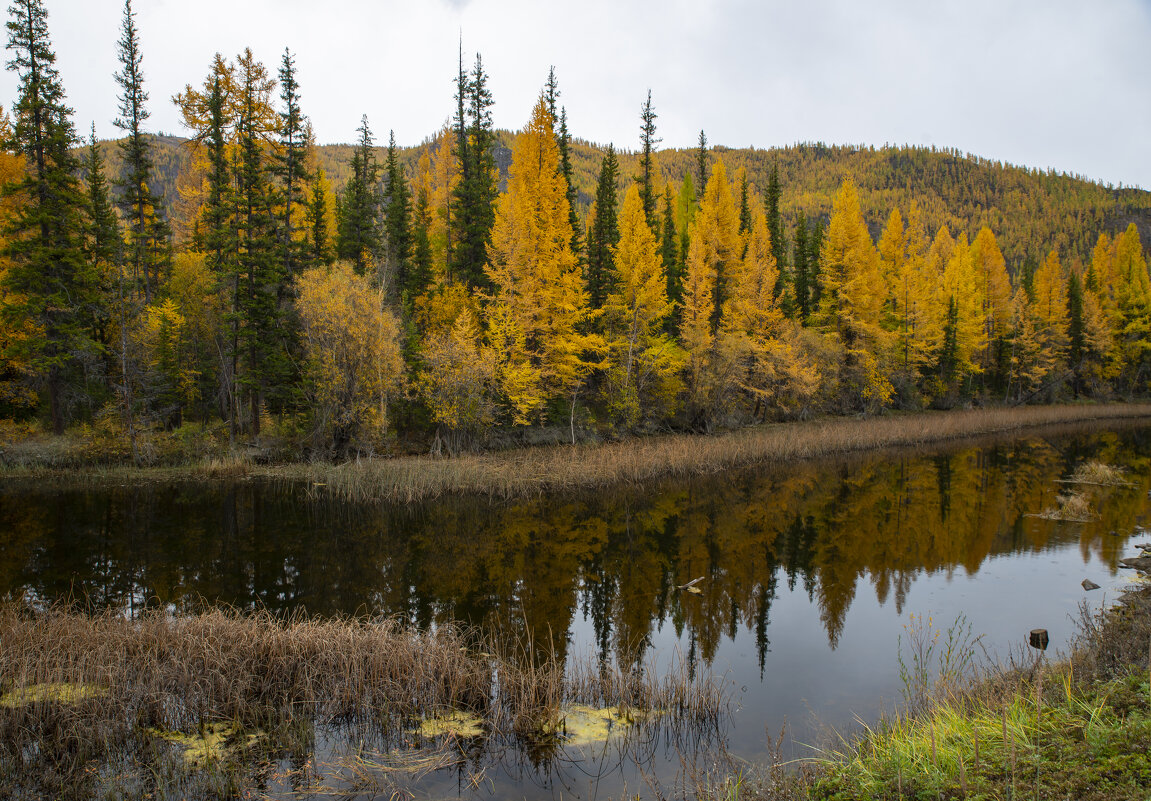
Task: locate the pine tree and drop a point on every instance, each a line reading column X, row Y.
column 564, row 140
column 290, row 167
column 148, row 232
column 669, row 253
column 801, row 276
column 744, row 207
column 260, row 276
column 50, row 283
column 317, row 221
column 701, row 159
column 397, row 224
column 357, row 235
column 1076, row 339
column 472, row 208
column 775, row 227
column 646, row 177
column 604, row 233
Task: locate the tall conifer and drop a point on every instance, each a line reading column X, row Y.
column 147, row 229
column 49, row 281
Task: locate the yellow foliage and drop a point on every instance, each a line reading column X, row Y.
column 645, row 361
column 538, row 299
column 352, row 352
column 458, row 376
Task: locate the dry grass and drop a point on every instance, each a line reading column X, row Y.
column 368, row 678
column 1099, row 474
column 529, row 472
column 1070, row 507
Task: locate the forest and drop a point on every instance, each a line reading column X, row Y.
column 358, row 299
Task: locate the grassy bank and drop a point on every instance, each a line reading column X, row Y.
column 1075, row 728
column 527, row 472
column 212, row 705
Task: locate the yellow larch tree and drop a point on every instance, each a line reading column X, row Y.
column 1041, row 328
column 756, row 336
column 959, row 288
column 645, row 361
column 713, row 258
column 994, row 296
column 538, row 299
column 851, row 300
column 1131, row 290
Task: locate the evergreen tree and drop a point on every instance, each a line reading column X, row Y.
column 646, row 177
column 317, row 219
column 775, row 227
column 1076, row 334
column 669, row 254
column 801, row 277
column 397, row 224
column 604, row 233
column 289, row 166
column 261, row 274
column 472, row 208
column 103, row 229
column 50, row 283
column 744, row 208
column 701, row 159
column 358, row 237
column 564, row 139
column 148, row 231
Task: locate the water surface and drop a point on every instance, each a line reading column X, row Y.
column 810, row 574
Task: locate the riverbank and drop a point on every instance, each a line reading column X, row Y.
column 1077, row 727
column 528, row 472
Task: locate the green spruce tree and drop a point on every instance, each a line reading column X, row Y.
column 357, row 228
column 604, row 233
column 397, row 225
column 148, row 232
column 472, row 210
column 646, row 178
column 50, row 282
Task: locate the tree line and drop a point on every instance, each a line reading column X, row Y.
column 423, row 298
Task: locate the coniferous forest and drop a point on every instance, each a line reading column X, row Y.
column 242, row 279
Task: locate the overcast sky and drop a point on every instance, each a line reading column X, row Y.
column 1042, row 83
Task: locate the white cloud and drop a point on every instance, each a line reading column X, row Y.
column 1042, row 83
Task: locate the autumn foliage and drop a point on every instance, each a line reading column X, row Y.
column 692, row 290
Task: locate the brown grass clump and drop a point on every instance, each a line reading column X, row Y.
column 533, row 471
column 103, row 689
column 1099, row 474
column 1071, row 507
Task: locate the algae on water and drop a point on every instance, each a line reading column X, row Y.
column 210, row 744
column 56, row 692
column 455, row 723
column 586, row 725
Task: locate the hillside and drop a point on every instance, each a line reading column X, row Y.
column 1030, row 211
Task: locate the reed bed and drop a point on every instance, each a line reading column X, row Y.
column 79, row 690
column 533, row 471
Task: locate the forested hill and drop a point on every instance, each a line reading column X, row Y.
column 1030, row 211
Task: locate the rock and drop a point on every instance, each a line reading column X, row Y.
column 1089, row 585
column 1140, row 563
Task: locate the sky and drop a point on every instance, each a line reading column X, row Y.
column 1059, row 84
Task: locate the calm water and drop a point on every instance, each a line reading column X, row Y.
column 810, row 573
